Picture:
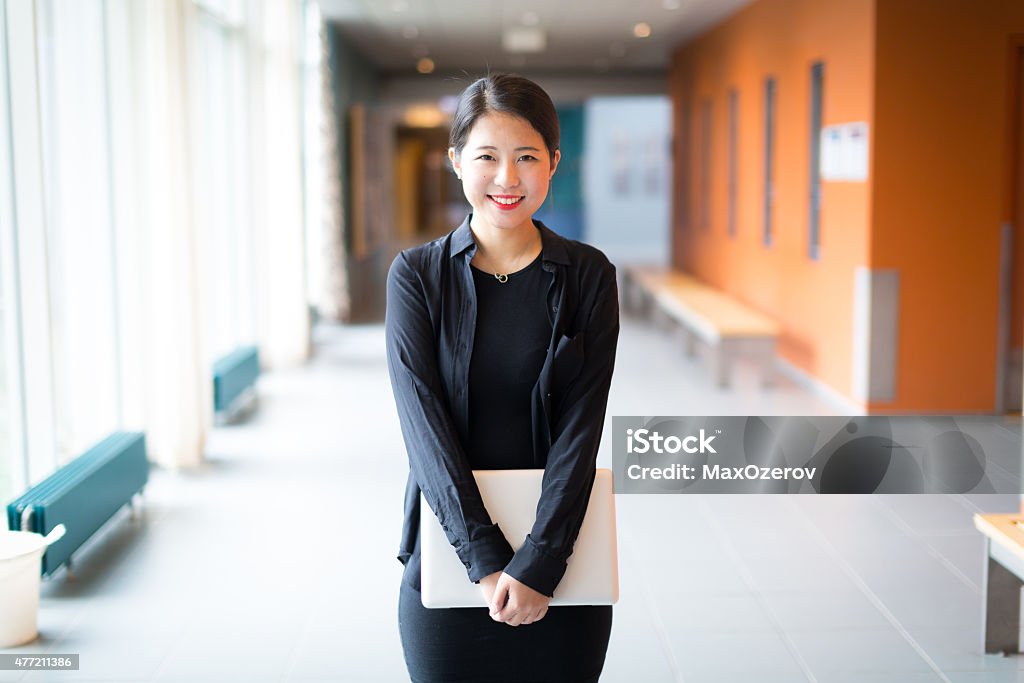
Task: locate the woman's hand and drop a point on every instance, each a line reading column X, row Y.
column 515, row 603
column 487, row 586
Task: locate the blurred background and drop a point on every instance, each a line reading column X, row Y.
column 199, row 202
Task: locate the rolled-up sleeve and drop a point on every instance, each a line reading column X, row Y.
column 569, row 473
column 436, row 459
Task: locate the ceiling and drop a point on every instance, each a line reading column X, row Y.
column 582, row 36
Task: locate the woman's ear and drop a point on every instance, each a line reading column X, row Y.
column 554, row 163
column 456, row 164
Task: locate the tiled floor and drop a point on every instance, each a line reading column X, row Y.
column 275, row 561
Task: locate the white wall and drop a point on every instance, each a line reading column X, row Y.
column 627, row 177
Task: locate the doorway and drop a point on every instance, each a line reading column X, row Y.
column 1010, row 383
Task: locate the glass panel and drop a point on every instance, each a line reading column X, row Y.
column 817, row 84
column 733, row 152
column 226, row 241
column 769, row 157
column 705, row 165
column 75, row 135
column 12, row 448
column 317, row 243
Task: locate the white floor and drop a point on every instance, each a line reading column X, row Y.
column 275, row 561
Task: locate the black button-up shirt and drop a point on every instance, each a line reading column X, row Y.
column 430, row 325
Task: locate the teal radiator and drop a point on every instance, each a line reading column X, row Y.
column 233, row 374
column 83, row 494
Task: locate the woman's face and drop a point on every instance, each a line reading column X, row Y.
column 505, row 169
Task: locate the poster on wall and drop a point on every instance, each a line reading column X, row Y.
column 844, row 152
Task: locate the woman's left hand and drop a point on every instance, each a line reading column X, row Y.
column 515, row 603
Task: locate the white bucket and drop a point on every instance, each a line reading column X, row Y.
column 20, row 555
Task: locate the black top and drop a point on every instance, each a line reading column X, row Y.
column 429, row 331
column 512, row 335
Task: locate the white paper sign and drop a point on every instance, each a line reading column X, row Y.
column 844, row 152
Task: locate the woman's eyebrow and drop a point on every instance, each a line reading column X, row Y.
column 518, row 149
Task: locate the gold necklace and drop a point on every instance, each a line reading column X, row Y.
column 503, row 277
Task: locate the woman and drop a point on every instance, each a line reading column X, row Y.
column 501, row 341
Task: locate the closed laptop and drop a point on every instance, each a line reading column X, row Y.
column 511, row 497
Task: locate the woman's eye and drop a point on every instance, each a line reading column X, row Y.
column 527, row 157
column 485, row 157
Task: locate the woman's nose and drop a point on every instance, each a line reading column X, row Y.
column 507, row 175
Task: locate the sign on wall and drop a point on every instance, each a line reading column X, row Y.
column 844, row 152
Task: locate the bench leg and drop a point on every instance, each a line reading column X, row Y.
column 722, row 366
column 768, row 372
column 1002, row 609
column 690, row 343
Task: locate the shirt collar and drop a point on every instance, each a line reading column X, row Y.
column 553, row 245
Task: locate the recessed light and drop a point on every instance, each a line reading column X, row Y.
column 642, row 30
column 523, row 39
column 425, row 65
column 530, row 19
column 448, row 103
column 424, row 116
column 410, row 31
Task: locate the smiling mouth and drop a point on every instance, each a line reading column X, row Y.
column 505, row 202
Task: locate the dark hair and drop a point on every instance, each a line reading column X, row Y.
column 507, row 94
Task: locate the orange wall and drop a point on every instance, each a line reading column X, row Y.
column 812, row 299
column 940, row 190
column 932, row 79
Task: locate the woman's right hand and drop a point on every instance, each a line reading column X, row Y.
column 488, row 584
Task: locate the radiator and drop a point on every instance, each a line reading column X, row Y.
column 82, row 494
column 233, row 374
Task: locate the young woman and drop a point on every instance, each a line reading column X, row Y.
column 501, row 341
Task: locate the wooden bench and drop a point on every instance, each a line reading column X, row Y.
column 1004, row 576
column 730, row 328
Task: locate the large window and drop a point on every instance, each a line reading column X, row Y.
column 79, row 221
column 225, row 231
column 12, row 448
column 313, row 162
column 135, row 244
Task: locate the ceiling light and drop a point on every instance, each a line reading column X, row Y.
column 448, row 103
column 410, row 31
column 424, row 116
column 642, row 30
column 425, row 65
column 530, row 19
column 523, row 39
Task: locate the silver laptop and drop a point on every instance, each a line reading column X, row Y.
column 511, row 496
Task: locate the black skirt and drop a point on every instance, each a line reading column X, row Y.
column 464, row 645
